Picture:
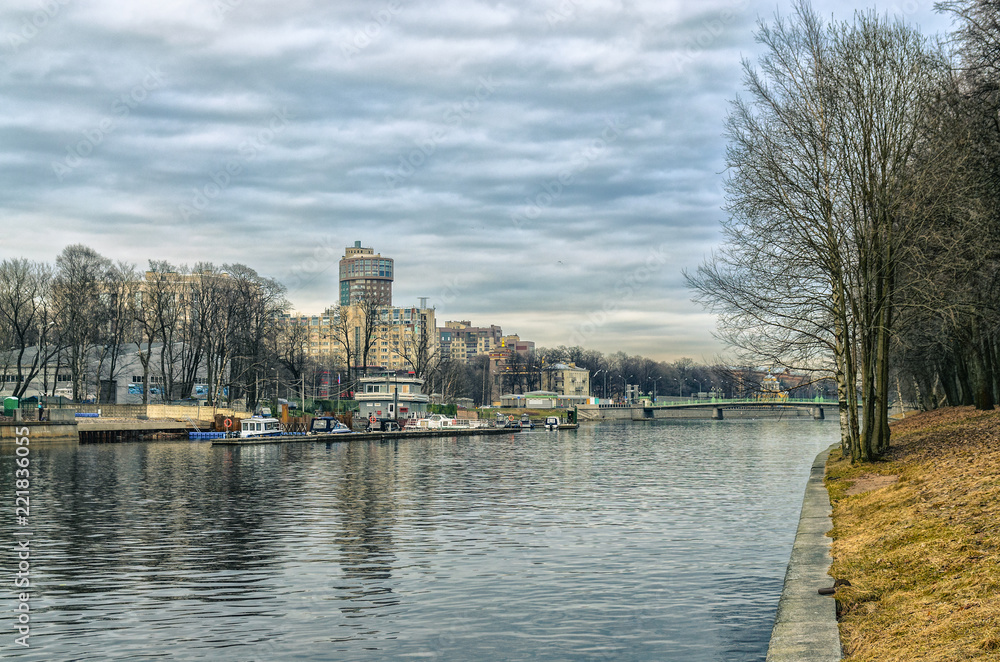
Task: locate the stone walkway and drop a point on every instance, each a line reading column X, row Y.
column 805, row 627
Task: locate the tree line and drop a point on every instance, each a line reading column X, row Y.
column 862, row 236
column 214, row 323
column 220, row 327
column 610, row 375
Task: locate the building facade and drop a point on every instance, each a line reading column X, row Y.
column 365, row 274
column 403, row 336
column 392, row 395
column 566, row 379
column 460, row 341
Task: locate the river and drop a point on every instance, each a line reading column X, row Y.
column 665, row 540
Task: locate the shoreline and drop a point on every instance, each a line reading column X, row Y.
column 805, row 624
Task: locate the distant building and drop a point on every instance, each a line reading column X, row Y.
column 365, row 274
column 319, row 337
column 460, row 341
column 513, row 366
column 391, row 395
column 402, row 334
column 566, row 379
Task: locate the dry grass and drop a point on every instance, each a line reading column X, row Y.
column 922, row 553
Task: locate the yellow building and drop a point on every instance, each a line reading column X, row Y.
column 398, row 335
column 566, row 379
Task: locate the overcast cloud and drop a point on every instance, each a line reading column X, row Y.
column 547, row 166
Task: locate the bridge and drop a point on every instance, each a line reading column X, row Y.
column 716, row 408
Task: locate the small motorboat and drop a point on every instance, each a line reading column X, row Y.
column 551, row 422
column 526, row 423
column 327, row 425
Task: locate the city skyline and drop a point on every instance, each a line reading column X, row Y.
column 550, row 168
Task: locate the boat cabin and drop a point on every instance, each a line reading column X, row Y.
column 260, row 427
column 326, row 425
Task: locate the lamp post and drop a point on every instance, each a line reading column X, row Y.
column 654, row 388
column 605, row 380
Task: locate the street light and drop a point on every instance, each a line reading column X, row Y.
column 605, row 380
column 625, row 386
column 654, row 388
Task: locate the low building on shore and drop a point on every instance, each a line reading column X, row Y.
column 392, row 395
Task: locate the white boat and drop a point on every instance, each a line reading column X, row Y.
column 328, row 425
column 440, row 421
column 551, row 422
column 258, row 426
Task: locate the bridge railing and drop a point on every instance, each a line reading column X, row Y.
column 744, row 401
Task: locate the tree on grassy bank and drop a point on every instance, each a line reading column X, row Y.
column 824, row 195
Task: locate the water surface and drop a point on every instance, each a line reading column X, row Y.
column 620, row 541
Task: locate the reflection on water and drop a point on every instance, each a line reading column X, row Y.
column 655, row 541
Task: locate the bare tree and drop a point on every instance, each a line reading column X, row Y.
column 370, row 317
column 290, row 350
column 78, row 289
column 257, row 304
column 120, row 289
column 348, row 336
column 24, row 295
column 418, row 349
column 822, row 198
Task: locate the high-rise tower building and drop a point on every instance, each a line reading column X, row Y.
column 365, row 274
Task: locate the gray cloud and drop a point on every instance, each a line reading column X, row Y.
column 470, row 141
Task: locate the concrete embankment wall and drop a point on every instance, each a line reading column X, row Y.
column 805, row 627
column 44, row 431
column 157, row 411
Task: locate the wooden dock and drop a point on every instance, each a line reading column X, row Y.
column 364, row 436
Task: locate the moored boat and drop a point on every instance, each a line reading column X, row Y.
column 258, row 426
column 327, row 425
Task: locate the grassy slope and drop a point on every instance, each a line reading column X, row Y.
column 923, row 554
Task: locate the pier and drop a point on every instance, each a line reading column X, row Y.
column 364, row 436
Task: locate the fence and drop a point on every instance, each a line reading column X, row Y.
column 197, row 412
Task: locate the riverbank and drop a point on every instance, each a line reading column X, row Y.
column 917, row 537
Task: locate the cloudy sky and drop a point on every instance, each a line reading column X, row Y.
column 549, row 166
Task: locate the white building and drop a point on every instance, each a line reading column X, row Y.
column 391, row 395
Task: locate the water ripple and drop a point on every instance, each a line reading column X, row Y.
column 663, row 541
